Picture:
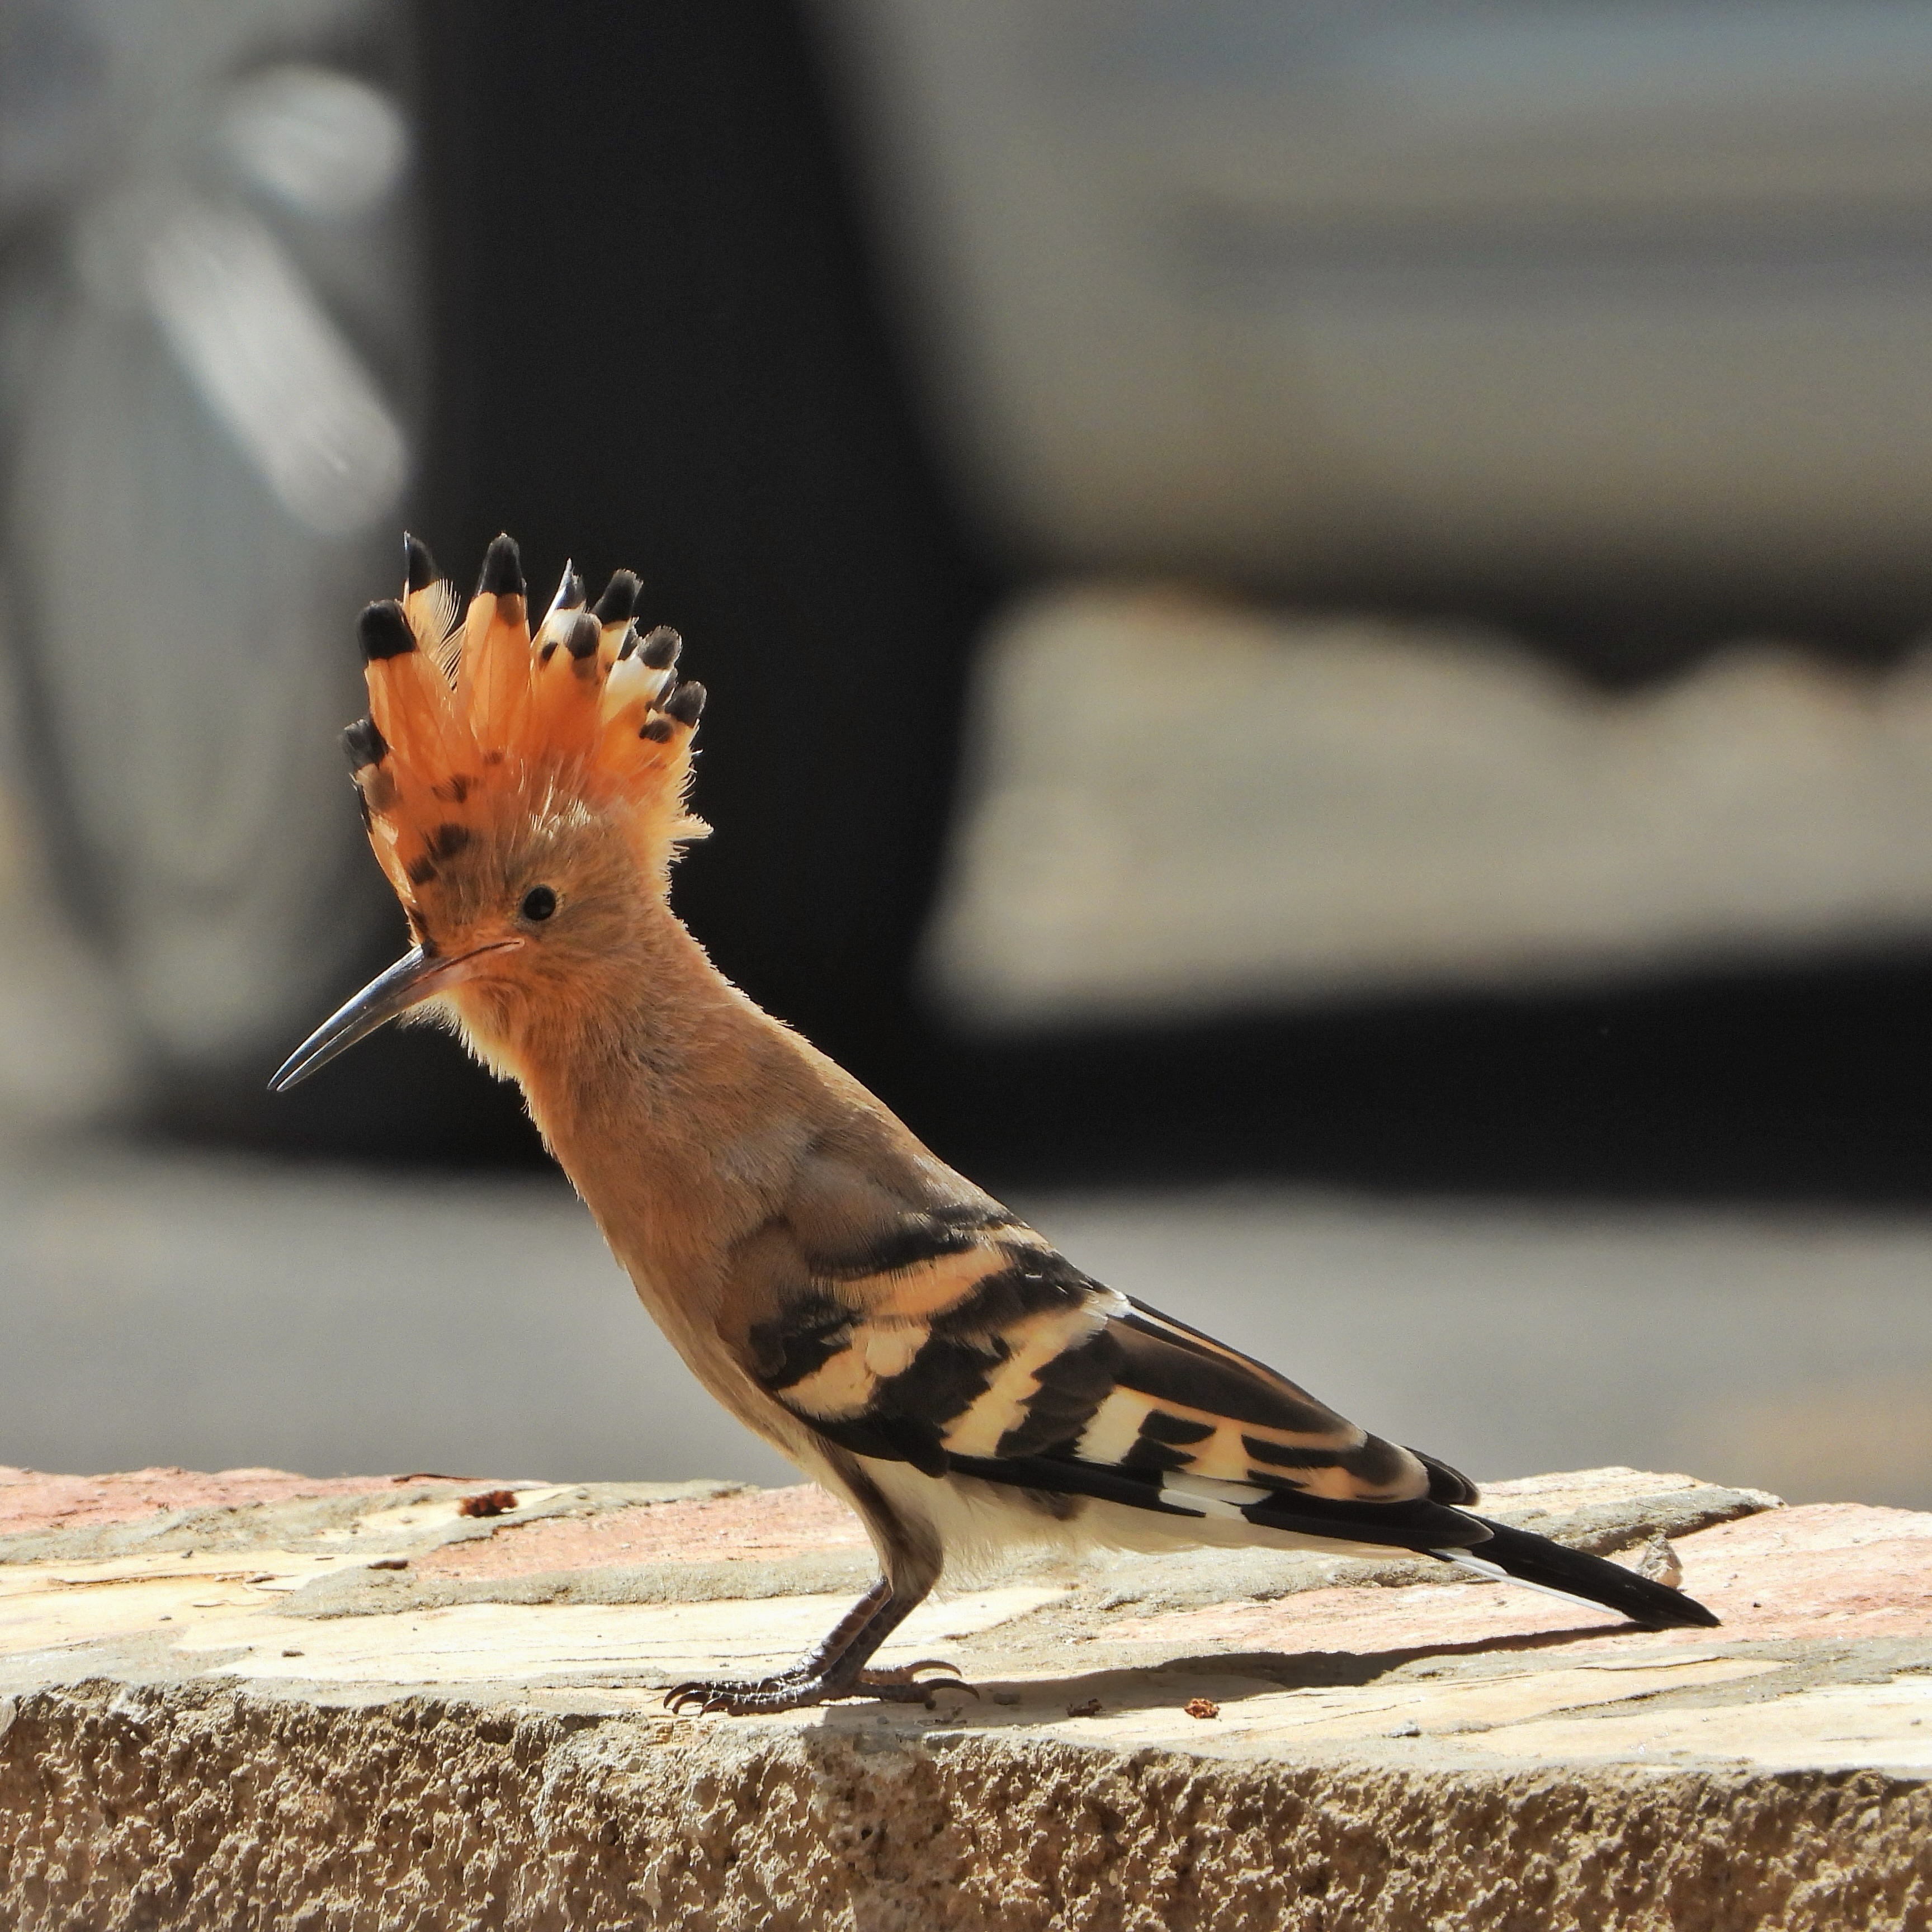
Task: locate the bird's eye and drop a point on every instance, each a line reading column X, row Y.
column 539, row 902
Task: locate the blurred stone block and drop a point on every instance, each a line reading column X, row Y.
column 1175, row 806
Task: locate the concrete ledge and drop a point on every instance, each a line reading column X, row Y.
column 208, row 1807
column 216, row 1711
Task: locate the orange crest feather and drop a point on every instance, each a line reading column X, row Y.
column 472, row 724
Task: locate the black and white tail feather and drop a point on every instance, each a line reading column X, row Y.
column 1521, row 1556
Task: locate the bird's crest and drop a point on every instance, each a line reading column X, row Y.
column 474, row 724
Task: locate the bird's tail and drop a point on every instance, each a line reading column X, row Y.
column 1527, row 1557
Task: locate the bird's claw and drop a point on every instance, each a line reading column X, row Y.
column 720, row 1694
column 905, row 1673
column 901, row 1684
column 793, row 1690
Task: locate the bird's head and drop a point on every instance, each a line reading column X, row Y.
column 526, row 796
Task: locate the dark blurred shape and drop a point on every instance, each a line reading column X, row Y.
column 1808, row 1084
column 661, row 350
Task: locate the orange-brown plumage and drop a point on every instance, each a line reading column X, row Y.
column 884, row 1323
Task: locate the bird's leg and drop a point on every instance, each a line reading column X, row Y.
column 899, row 1683
column 834, row 1668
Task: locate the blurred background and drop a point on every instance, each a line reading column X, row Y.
column 1320, row 628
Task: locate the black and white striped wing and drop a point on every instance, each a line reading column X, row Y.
column 985, row 1353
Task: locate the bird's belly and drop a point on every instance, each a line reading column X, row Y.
column 981, row 1524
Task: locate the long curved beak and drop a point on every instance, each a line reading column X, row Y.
column 414, row 978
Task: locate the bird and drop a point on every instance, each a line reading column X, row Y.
column 894, row 1331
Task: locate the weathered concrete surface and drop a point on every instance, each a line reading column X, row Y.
column 216, row 1709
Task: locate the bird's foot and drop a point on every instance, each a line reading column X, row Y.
column 797, row 1690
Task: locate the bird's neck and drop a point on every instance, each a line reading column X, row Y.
column 678, row 1108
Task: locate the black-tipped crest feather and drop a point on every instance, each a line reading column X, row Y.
column 419, row 570
column 363, row 745
column 659, row 650
column 619, row 598
column 383, row 631
column 502, row 574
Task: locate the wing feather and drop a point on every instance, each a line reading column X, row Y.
column 965, row 1343
column 953, row 1339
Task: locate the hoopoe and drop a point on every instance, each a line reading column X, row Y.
column 893, row 1330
